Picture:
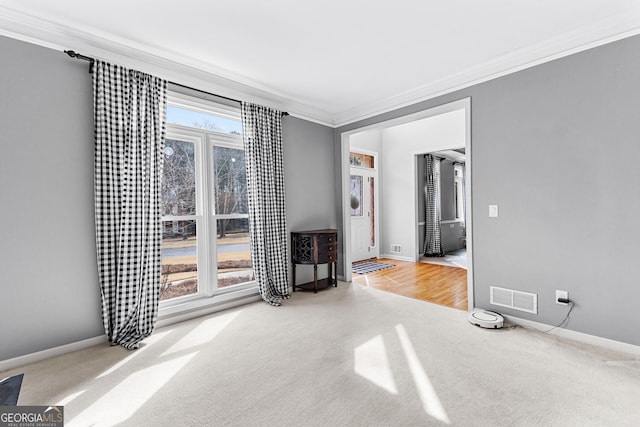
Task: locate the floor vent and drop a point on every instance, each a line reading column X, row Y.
column 396, row 249
column 517, row 300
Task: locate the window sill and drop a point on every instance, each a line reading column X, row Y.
column 451, row 221
column 201, row 306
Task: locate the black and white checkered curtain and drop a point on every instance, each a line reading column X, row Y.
column 262, row 135
column 130, row 110
column 432, row 232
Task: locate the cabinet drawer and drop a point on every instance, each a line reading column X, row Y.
column 324, row 239
column 327, row 257
column 330, row 247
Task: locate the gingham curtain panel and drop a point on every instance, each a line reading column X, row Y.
column 432, row 232
column 130, row 110
column 262, row 136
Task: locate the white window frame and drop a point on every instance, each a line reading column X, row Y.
column 459, row 193
column 206, row 218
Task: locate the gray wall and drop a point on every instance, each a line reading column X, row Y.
column 309, row 181
column 553, row 146
column 50, row 293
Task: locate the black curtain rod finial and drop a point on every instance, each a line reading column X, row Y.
column 74, row 54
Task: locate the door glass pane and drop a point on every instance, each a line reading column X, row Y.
column 179, row 259
column 356, row 195
column 179, row 179
column 234, row 256
column 230, row 181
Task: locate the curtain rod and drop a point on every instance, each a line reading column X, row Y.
column 92, row 61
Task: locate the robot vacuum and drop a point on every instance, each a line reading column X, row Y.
column 486, row 319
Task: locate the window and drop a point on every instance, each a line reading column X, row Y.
column 361, row 160
column 205, row 245
column 458, row 193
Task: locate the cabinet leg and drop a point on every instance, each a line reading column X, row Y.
column 293, row 277
column 315, row 278
column 335, row 275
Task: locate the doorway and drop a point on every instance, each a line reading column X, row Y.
column 401, row 140
column 363, row 196
column 445, row 226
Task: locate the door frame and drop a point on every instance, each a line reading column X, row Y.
column 376, row 194
column 345, row 137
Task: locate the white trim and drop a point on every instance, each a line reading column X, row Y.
column 205, row 306
column 605, row 343
column 27, row 359
column 212, row 107
column 209, row 77
column 168, row 316
column 172, row 66
column 397, row 257
column 606, row 31
column 446, row 221
column 468, row 210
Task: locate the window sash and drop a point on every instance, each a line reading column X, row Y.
column 206, row 219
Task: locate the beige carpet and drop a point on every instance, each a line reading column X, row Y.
column 347, row 356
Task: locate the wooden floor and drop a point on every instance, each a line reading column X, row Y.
column 428, row 282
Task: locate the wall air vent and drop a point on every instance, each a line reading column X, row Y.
column 516, row 300
column 396, row 249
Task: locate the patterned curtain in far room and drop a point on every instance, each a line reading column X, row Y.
column 432, row 232
column 262, row 136
column 130, row 109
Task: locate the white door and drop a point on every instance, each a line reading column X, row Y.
column 363, row 214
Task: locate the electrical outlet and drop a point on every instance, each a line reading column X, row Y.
column 562, row 294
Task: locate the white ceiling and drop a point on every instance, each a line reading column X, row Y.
column 330, row 61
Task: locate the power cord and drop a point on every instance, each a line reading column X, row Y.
column 564, row 321
column 566, row 318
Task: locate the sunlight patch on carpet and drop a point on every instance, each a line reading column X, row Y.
column 125, row 399
column 147, row 343
column 205, row 332
column 430, row 400
column 371, row 362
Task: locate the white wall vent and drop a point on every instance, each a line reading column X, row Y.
column 396, row 249
column 516, row 300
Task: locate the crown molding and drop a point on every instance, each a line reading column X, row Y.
column 602, row 32
column 208, row 77
column 165, row 64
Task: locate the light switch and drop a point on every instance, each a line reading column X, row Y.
column 493, row 211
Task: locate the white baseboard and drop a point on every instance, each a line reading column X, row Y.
column 397, row 257
column 605, row 343
column 5, row 365
column 38, row 356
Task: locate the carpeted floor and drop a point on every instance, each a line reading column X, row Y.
column 350, row 356
column 364, row 267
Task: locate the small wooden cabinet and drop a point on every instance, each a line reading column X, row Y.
column 313, row 247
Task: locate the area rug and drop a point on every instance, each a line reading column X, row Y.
column 365, row 267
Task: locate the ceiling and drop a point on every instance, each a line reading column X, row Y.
column 332, row 61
